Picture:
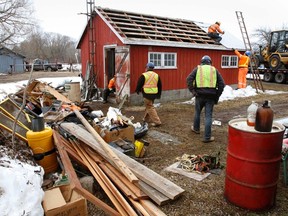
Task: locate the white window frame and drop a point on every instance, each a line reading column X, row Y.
column 229, row 61
column 159, row 60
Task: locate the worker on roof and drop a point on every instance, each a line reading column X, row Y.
column 214, row 32
column 149, row 84
column 243, row 64
column 111, row 88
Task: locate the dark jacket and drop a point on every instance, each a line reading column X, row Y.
column 140, row 85
column 213, row 93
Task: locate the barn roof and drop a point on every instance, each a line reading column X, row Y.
column 140, row 29
column 135, row 28
column 6, row 51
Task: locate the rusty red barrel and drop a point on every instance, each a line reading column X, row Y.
column 253, row 165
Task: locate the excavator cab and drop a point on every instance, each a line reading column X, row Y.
column 275, row 54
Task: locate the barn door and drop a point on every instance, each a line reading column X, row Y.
column 122, row 71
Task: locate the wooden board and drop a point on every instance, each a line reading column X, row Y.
column 147, row 175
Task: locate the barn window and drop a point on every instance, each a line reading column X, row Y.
column 229, row 61
column 163, row 60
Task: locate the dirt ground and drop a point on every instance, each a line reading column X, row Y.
column 204, row 197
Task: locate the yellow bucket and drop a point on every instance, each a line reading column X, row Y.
column 42, row 145
column 138, row 148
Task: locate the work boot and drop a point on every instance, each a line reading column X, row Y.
column 195, row 131
column 155, row 125
column 208, row 140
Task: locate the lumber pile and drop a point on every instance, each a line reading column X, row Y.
column 129, row 196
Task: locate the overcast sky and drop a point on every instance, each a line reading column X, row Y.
column 67, row 17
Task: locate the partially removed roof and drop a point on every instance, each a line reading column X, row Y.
column 134, row 28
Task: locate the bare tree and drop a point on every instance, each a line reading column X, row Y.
column 15, row 20
column 261, row 36
column 53, row 47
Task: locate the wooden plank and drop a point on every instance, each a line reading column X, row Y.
column 138, row 206
column 147, row 175
column 115, row 196
column 119, row 163
column 151, row 208
column 117, row 177
column 46, row 88
column 74, row 178
column 154, row 194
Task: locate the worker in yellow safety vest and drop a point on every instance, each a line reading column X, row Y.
column 149, row 83
column 243, row 64
column 206, row 84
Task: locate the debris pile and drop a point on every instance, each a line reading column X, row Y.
column 86, row 141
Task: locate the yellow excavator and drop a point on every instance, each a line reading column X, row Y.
column 275, row 55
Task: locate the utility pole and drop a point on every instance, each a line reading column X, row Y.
column 91, row 75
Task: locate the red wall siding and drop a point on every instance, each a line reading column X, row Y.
column 103, row 36
column 187, row 60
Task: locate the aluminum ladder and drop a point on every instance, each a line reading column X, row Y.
column 255, row 73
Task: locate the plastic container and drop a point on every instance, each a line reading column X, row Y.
column 138, row 148
column 251, row 113
column 42, row 145
column 264, row 118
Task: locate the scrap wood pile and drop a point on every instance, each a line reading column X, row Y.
column 132, row 188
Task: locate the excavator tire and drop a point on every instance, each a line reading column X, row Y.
column 275, row 62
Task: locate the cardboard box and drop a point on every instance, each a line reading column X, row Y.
column 63, row 200
column 126, row 133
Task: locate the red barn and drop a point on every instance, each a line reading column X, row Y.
column 121, row 43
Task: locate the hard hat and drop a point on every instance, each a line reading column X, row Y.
column 247, row 53
column 206, row 60
column 217, row 22
column 150, row 65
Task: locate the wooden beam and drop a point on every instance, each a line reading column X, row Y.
column 119, row 163
column 115, row 196
column 147, row 175
column 151, row 208
column 130, row 189
column 74, row 178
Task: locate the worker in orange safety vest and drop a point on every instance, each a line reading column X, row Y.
column 110, row 89
column 243, row 65
column 214, row 32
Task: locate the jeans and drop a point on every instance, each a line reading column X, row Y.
column 215, row 36
column 208, row 103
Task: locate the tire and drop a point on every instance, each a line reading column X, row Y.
column 258, row 60
column 275, row 62
column 268, row 77
column 280, row 77
column 49, row 69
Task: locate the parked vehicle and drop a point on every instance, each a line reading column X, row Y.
column 43, row 65
column 278, row 76
column 275, row 54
